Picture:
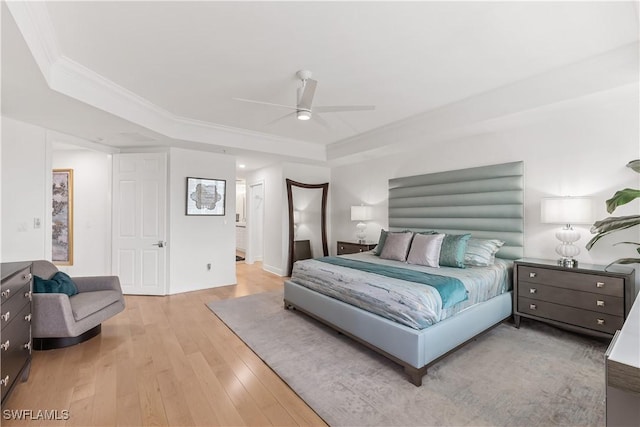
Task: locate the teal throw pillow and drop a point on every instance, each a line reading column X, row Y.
column 453, row 249
column 60, row 283
column 383, row 238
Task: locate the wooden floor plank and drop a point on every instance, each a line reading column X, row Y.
column 164, row 361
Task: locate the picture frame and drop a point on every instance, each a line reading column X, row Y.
column 206, row 197
column 62, row 217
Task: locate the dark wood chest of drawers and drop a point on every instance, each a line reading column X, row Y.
column 354, row 247
column 587, row 299
column 15, row 345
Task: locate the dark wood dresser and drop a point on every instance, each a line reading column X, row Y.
column 354, row 247
column 586, row 299
column 15, row 345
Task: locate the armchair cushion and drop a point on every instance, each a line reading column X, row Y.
column 60, row 283
column 87, row 303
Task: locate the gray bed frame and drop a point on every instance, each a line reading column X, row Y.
column 485, row 201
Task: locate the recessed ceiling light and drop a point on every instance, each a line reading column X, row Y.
column 241, row 166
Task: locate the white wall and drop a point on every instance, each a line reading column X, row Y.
column 195, row 241
column 25, row 171
column 91, row 209
column 576, row 148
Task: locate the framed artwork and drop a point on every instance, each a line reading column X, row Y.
column 206, row 196
column 62, row 217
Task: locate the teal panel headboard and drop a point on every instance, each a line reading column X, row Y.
column 486, row 201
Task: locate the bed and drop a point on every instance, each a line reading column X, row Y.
column 485, row 202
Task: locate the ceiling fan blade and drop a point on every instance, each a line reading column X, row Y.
column 273, row 122
column 320, row 121
column 338, row 108
column 266, row 103
column 307, row 96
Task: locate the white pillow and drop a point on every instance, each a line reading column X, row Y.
column 425, row 249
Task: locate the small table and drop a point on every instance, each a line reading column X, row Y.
column 354, row 247
column 301, row 250
column 587, row 299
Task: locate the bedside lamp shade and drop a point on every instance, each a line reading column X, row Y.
column 361, row 214
column 567, row 211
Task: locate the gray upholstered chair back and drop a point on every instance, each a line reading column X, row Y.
column 43, row 269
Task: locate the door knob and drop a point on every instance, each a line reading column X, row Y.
column 160, row 244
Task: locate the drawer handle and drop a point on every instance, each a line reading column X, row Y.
column 27, row 277
column 532, row 306
column 5, row 381
column 28, row 317
column 600, row 321
column 5, row 345
column 532, row 275
column 6, row 293
column 532, row 290
column 28, row 295
column 600, row 303
column 27, row 346
column 6, row 316
column 599, row 284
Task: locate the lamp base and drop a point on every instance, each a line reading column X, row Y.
column 568, row 262
column 361, row 233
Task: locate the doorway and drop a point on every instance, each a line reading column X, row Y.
column 255, row 218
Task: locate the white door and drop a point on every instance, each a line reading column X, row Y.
column 139, row 222
column 255, row 228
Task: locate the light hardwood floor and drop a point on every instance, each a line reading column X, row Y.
column 163, row 361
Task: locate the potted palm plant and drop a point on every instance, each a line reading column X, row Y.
column 615, row 223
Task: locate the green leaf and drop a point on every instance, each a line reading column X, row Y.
column 635, row 165
column 627, row 243
column 611, row 224
column 624, row 261
column 622, row 197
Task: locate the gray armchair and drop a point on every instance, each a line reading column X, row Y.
column 60, row 321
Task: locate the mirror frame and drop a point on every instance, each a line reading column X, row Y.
column 325, row 190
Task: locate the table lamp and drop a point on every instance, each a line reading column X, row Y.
column 361, row 213
column 567, row 211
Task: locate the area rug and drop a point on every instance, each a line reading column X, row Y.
column 533, row 376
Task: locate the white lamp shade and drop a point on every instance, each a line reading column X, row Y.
column 567, row 210
column 361, row 213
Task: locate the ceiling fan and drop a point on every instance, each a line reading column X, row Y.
column 303, row 108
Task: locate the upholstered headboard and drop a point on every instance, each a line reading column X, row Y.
column 486, row 201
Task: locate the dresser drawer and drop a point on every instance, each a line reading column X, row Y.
column 345, row 248
column 601, row 322
column 598, row 284
column 15, row 347
column 12, row 285
column 13, row 305
column 586, row 300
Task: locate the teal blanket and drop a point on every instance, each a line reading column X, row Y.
column 451, row 290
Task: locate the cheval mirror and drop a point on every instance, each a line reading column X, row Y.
column 307, row 221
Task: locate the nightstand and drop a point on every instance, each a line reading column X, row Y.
column 586, row 299
column 354, row 247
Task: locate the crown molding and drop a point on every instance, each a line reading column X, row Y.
column 70, row 78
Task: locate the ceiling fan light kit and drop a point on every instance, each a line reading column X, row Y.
column 303, row 110
column 303, row 115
